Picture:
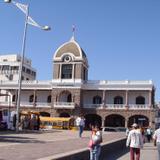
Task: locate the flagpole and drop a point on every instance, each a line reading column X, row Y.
column 20, row 69
column 28, row 20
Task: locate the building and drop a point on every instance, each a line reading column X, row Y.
column 70, row 93
column 10, row 65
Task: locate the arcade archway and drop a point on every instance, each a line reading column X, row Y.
column 92, row 119
column 64, row 114
column 141, row 120
column 44, row 114
column 115, row 120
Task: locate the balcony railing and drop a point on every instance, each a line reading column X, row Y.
column 64, row 105
column 26, row 104
column 93, row 106
column 117, row 106
column 71, row 105
column 140, row 106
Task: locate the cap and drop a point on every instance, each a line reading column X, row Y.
column 134, row 125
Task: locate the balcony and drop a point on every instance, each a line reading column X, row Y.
column 140, row 106
column 64, row 105
column 93, row 106
column 117, row 106
column 26, row 104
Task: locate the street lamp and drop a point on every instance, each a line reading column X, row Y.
column 28, row 20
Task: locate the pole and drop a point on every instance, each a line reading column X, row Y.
column 20, row 70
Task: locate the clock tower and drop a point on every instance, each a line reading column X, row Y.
column 70, row 63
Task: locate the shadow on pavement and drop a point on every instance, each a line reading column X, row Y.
column 116, row 154
column 18, row 139
column 28, row 132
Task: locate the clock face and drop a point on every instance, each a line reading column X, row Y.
column 67, row 58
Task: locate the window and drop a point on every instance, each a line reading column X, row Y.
column 16, row 68
column 23, row 69
column 97, row 100
column 140, row 100
column 28, row 71
column 66, row 71
column 31, row 97
column 49, row 99
column 5, row 67
column 11, row 77
column 14, row 98
column 118, row 100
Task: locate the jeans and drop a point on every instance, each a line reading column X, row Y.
column 95, row 152
column 158, row 148
column 80, row 131
column 133, row 152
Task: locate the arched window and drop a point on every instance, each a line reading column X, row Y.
column 97, row 100
column 31, row 97
column 140, row 100
column 14, row 98
column 49, row 99
column 118, row 100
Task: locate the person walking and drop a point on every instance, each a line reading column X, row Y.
column 149, row 134
column 135, row 141
column 94, row 143
column 80, row 122
column 156, row 140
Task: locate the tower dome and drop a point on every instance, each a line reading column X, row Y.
column 71, row 48
column 70, row 62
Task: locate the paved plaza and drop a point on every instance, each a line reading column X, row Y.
column 149, row 152
column 45, row 144
column 29, row 146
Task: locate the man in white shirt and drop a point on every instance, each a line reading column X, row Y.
column 156, row 138
column 135, row 141
column 80, row 122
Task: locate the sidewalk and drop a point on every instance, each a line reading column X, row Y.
column 149, row 152
column 31, row 146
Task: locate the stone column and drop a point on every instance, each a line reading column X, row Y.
column 34, row 98
column 52, row 99
column 126, row 122
column 104, row 98
column 126, row 105
column 150, row 99
column 126, row 97
column 60, row 71
column 73, row 76
column 103, row 122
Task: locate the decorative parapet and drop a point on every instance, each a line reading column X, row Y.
column 118, row 85
column 117, row 106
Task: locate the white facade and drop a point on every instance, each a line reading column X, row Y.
column 9, row 68
column 70, row 90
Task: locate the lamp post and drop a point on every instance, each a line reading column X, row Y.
column 28, row 20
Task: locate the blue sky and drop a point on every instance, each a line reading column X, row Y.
column 120, row 37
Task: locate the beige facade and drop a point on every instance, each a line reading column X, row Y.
column 70, row 93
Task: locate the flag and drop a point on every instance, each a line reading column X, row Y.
column 24, row 9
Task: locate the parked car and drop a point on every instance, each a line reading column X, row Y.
column 114, row 129
column 109, row 129
column 121, row 129
column 3, row 126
